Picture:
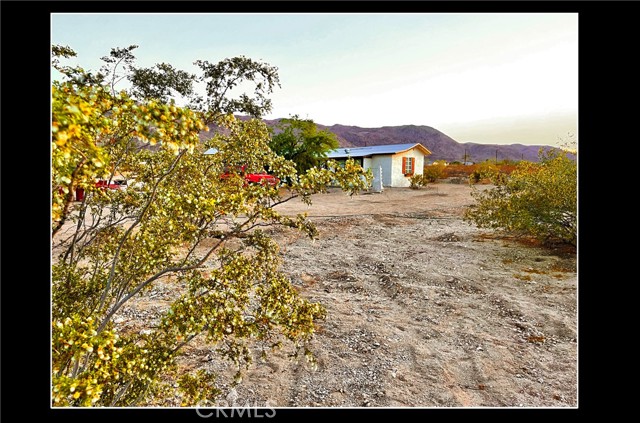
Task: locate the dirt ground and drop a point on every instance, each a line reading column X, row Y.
column 423, row 310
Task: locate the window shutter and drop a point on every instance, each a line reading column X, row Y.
column 404, row 165
column 413, row 165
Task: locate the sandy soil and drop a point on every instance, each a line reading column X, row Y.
column 423, row 310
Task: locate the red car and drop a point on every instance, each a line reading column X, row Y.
column 253, row 178
column 113, row 185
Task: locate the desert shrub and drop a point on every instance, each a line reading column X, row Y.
column 506, row 168
column 434, row 171
column 483, row 171
column 537, row 199
column 459, row 170
column 418, row 181
column 182, row 225
column 415, row 181
column 474, row 177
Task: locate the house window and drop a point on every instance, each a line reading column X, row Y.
column 408, row 165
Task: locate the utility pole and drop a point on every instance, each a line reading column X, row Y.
column 465, row 157
column 496, row 156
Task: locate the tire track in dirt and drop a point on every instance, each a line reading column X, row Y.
column 435, row 308
column 422, row 310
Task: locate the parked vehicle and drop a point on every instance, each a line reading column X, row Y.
column 115, row 184
column 252, row 178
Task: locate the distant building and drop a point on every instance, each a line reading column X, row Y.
column 398, row 161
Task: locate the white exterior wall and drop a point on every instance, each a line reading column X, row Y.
column 397, row 175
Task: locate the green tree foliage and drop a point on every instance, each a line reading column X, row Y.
column 537, row 199
column 225, row 83
column 179, row 224
column 221, row 78
column 300, row 141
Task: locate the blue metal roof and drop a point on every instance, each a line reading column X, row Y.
column 344, row 152
column 212, row 150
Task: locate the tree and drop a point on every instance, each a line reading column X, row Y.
column 536, row 199
column 221, row 78
column 180, row 224
column 300, row 141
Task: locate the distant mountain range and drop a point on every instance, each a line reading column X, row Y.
column 441, row 145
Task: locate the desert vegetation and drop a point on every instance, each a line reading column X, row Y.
column 179, row 224
column 216, row 247
column 477, row 172
column 535, row 199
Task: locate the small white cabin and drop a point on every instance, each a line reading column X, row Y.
column 398, row 161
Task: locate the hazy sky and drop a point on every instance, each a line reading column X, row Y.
column 480, row 77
